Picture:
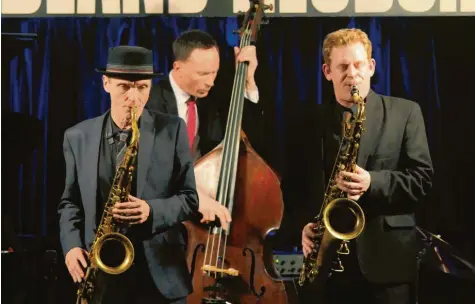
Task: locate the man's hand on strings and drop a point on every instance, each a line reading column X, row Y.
column 248, row 54
column 212, row 209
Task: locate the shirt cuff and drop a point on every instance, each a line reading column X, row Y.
column 253, row 96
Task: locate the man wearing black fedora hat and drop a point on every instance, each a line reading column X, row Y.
column 163, row 192
column 186, row 92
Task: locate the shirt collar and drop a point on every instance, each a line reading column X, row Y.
column 113, row 131
column 341, row 109
column 180, row 95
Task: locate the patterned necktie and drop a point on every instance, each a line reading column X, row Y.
column 121, row 146
column 191, row 121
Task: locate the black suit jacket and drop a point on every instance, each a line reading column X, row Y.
column 212, row 114
column 394, row 150
column 165, row 180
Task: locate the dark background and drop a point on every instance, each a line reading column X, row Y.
column 51, row 80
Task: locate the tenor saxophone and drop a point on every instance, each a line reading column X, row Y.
column 110, row 234
column 340, row 219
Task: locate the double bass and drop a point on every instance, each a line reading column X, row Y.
column 233, row 266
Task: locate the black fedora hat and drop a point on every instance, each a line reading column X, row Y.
column 129, row 61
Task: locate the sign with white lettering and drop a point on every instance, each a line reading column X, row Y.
column 224, row 8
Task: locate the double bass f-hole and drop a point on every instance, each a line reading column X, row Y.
column 251, row 277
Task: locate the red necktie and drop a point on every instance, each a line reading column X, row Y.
column 191, row 121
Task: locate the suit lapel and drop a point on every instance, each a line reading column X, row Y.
column 168, row 96
column 92, row 146
column 162, row 98
column 146, row 141
column 372, row 128
column 203, row 125
column 170, row 106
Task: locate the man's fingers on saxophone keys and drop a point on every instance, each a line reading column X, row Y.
column 136, row 211
column 82, row 258
column 355, row 177
column 354, row 183
column 308, row 243
column 130, row 218
column 349, row 187
column 309, row 232
column 306, row 250
column 75, row 270
column 74, row 258
column 78, row 273
column 123, row 207
column 307, row 235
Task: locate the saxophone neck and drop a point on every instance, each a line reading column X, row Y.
column 355, row 93
column 135, row 127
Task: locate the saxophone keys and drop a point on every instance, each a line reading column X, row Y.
column 313, row 273
column 344, row 249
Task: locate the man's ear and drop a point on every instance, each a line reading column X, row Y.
column 372, row 66
column 327, row 72
column 177, row 65
column 106, row 83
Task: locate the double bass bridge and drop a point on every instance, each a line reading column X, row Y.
column 216, row 270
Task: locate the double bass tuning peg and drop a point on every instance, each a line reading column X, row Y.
column 269, row 7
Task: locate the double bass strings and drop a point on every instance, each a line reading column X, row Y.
column 229, row 161
column 238, row 90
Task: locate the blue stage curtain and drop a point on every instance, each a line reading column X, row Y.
column 423, row 59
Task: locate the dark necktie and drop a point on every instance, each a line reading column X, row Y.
column 121, row 147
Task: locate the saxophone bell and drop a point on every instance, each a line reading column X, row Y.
column 113, row 253
column 344, row 219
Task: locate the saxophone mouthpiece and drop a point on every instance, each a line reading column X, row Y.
column 355, row 94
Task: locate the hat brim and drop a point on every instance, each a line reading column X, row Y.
column 125, row 74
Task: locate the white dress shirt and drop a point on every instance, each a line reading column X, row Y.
column 182, row 97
